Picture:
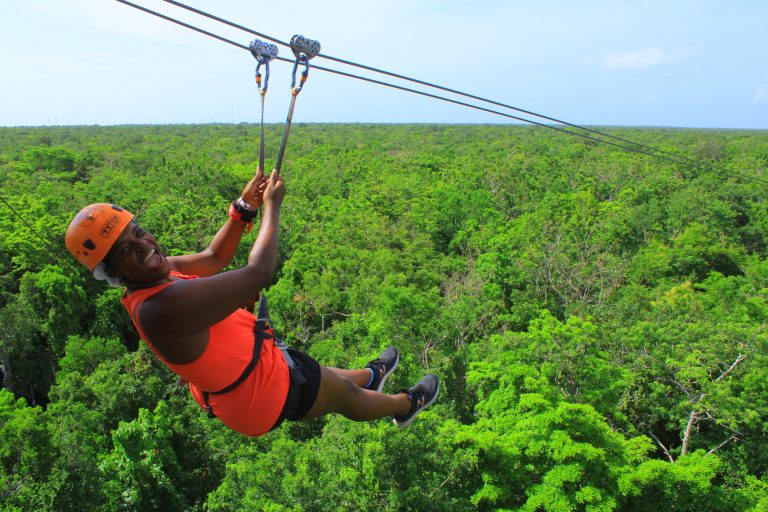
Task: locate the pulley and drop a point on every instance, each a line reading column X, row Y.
column 303, row 46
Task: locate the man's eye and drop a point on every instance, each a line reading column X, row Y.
column 125, row 250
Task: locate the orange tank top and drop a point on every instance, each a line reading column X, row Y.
column 254, row 406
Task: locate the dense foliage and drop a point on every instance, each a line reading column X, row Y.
column 598, row 320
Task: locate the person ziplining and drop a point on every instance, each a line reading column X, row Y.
column 190, row 314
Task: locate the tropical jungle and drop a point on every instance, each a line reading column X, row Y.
column 597, row 317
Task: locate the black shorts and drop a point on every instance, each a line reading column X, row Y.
column 301, row 397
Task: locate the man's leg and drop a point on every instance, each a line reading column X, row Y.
column 360, row 377
column 344, row 396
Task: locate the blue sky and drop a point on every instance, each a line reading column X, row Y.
column 642, row 63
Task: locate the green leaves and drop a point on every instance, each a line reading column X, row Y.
column 543, row 454
column 25, row 452
column 142, row 468
column 57, row 301
column 593, row 316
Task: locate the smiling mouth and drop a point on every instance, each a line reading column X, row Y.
column 151, row 253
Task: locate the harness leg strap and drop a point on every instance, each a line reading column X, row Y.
column 208, row 407
column 263, row 330
column 297, row 377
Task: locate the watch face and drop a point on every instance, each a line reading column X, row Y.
column 241, row 203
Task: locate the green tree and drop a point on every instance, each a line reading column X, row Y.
column 25, row 454
column 142, row 468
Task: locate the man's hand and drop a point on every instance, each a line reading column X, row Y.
column 253, row 193
column 275, row 191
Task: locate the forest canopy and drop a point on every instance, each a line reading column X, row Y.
column 597, row 319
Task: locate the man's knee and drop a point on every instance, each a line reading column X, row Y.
column 351, row 390
column 350, row 403
column 334, row 395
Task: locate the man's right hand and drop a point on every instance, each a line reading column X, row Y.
column 253, row 192
column 275, row 191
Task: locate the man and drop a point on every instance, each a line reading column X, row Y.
column 189, row 313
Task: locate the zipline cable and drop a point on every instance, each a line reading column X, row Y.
column 673, row 159
column 55, row 250
column 227, row 22
column 47, row 242
column 187, row 25
column 683, row 158
column 386, row 84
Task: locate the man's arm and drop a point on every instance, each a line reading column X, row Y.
column 216, row 256
column 222, row 248
column 191, row 306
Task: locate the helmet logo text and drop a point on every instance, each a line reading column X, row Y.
column 106, row 230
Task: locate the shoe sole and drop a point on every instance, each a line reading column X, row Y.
column 410, row 420
column 386, row 375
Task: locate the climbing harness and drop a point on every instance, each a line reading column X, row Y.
column 263, row 53
column 304, row 49
column 263, row 331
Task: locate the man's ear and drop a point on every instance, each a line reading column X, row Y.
column 107, row 267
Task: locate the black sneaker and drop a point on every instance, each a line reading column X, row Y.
column 382, row 367
column 422, row 395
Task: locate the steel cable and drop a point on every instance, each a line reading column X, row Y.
column 679, row 158
column 640, row 148
column 56, row 255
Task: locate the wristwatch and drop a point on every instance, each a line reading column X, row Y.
column 239, row 210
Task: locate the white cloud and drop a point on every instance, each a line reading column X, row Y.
column 761, row 92
column 644, row 58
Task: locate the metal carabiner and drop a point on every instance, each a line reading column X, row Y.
column 304, row 49
column 263, row 89
column 304, row 74
column 263, row 53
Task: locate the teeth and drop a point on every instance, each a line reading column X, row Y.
column 151, row 253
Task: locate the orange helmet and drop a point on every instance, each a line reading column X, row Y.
column 94, row 231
